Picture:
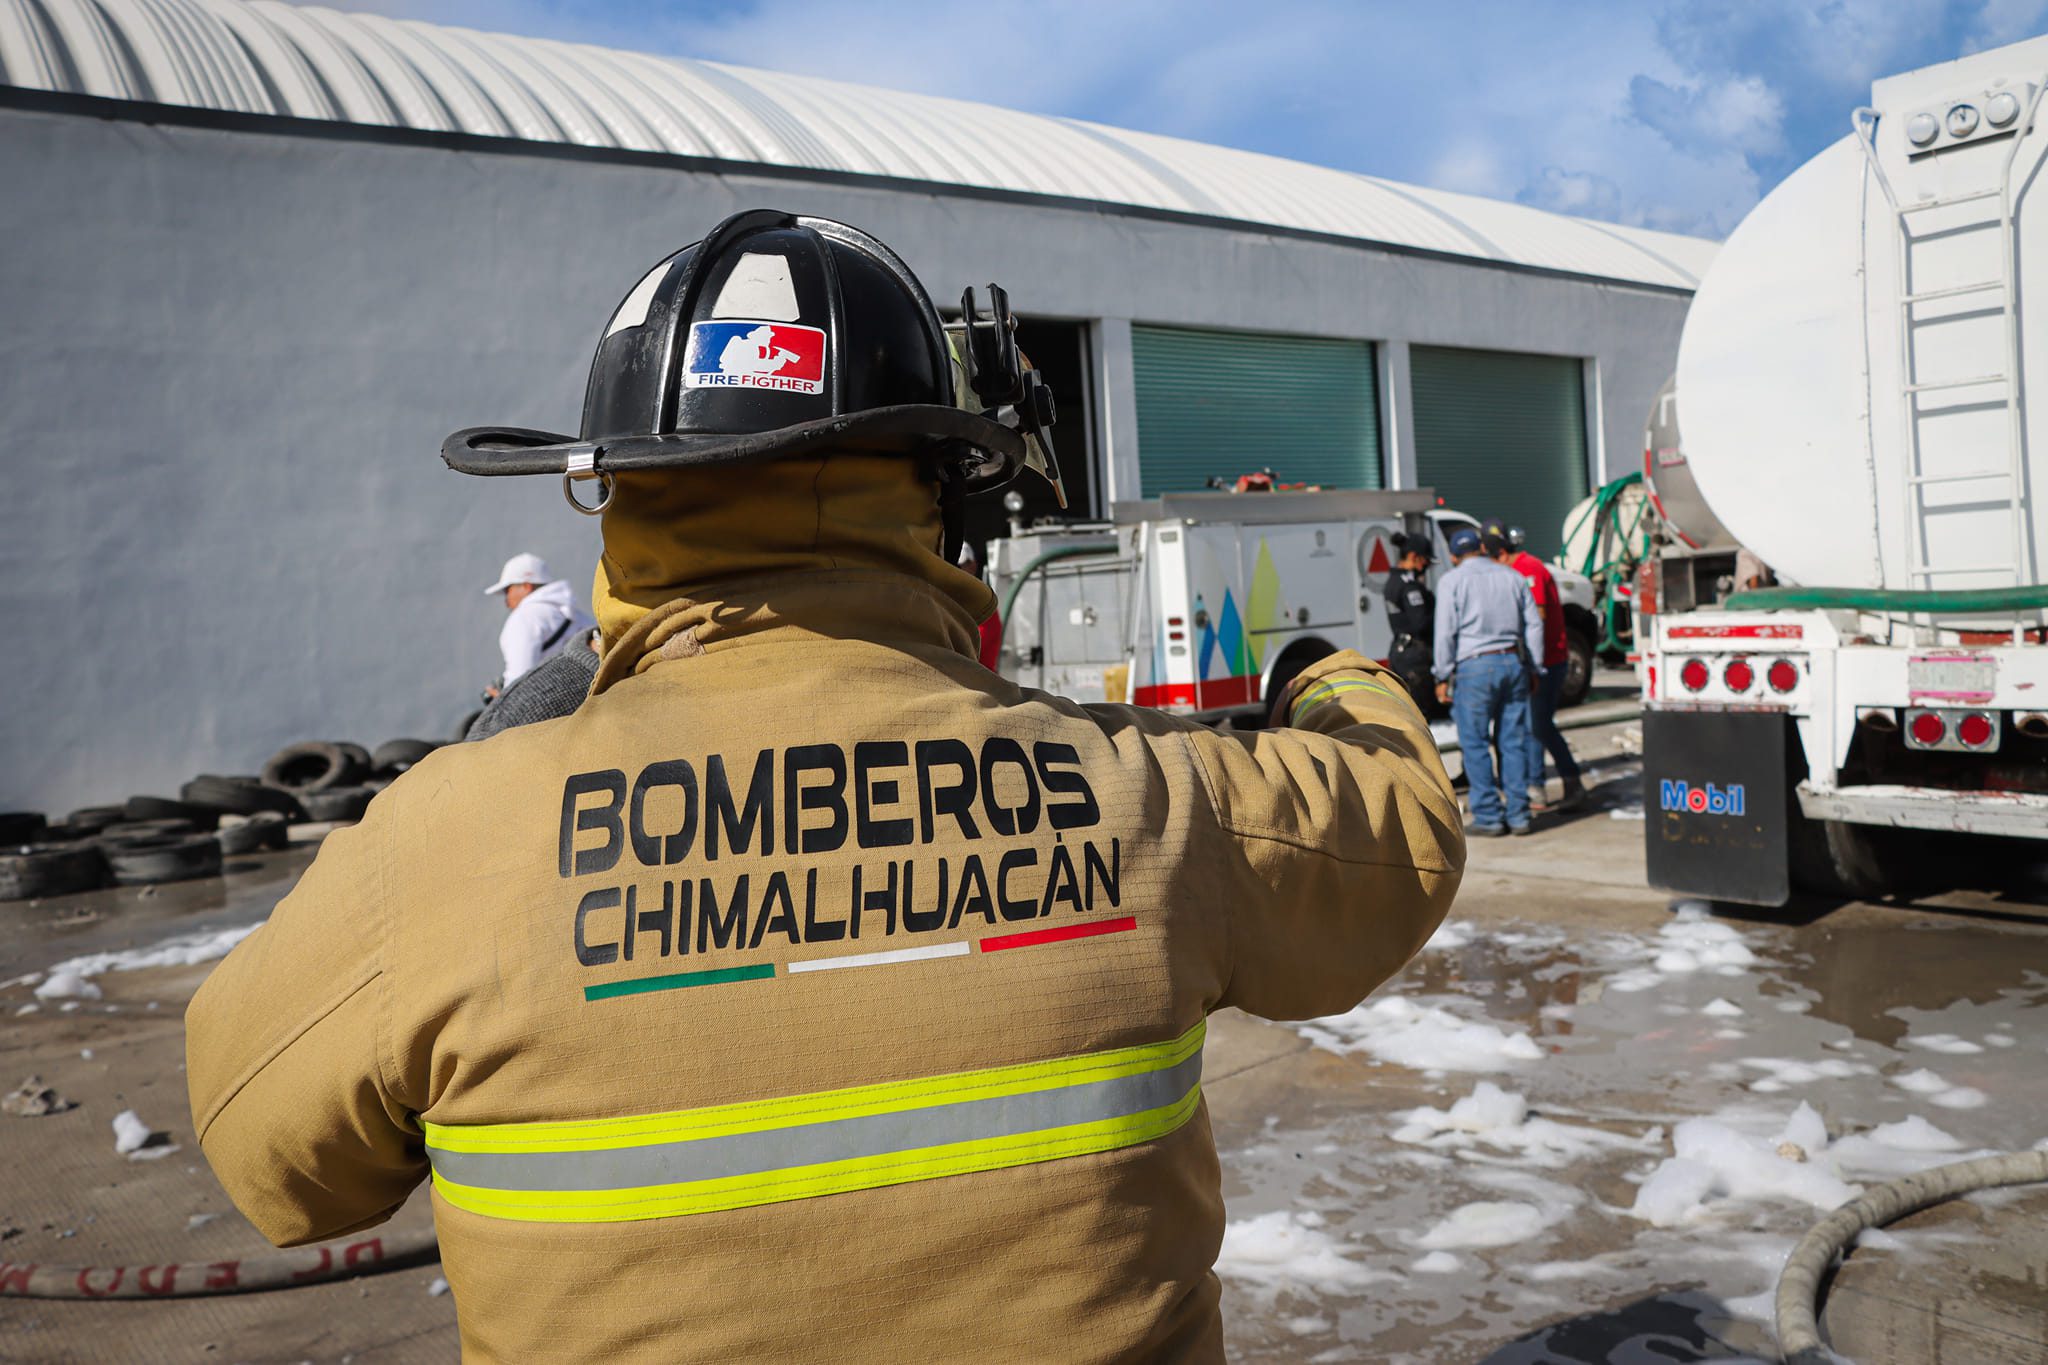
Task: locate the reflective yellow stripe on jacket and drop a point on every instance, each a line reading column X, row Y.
column 733, row 1156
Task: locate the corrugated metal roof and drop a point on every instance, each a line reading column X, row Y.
column 263, row 57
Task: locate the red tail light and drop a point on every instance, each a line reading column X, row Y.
column 1694, row 675
column 1783, row 675
column 1974, row 730
column 1739, row 676
column 1929, row 728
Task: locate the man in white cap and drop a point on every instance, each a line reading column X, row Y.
column 542, row 615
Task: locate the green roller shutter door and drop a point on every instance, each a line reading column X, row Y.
column 1499, row 434
column 1229, row 403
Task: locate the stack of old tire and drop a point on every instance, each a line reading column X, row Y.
column 152, row 839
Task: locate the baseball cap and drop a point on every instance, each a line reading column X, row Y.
column 1494, row 543
column 1464, row 541
column 521, row 568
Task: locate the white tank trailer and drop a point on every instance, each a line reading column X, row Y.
column 1858, row 414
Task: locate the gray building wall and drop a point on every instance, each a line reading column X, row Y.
column 229, row 358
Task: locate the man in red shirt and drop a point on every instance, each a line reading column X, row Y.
column 1543, row 733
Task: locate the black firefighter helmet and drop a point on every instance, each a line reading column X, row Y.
column 781, row 335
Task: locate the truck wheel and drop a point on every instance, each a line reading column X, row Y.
column 1578, row 668
column 1835, row 858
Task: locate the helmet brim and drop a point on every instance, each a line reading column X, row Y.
column 988, row 450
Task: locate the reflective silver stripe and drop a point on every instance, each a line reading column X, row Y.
column 622, row 1168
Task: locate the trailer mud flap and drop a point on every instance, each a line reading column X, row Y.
column 1714, row 795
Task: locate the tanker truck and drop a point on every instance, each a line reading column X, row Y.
column 1857, row 415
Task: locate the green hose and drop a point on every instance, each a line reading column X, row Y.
column 1965, row 600
column 1606, row 507
column 1094, row 547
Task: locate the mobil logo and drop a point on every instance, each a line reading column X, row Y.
column 1700, row 798
column 736, row 353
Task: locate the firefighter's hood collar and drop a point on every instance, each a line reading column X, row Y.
column 681, row 533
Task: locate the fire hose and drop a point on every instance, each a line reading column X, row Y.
column 248, row 1275
column 1799, row 1282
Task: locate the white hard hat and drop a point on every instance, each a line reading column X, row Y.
column 521, row 569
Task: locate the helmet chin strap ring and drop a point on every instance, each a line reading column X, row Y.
column 582, row 465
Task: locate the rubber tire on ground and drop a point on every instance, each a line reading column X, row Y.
column 40, row 870
column 314, row 765
column 265, row 829
column 163, row 808
column 356, row 752
column 241, row 796
column 95, row 818
column 337, row 803
column 130, row 830
column 394, row 756
column 171, row 858
column 1833, row 858
column 21, row 827
column 1578, row 669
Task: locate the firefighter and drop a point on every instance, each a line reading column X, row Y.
column 1411, row 610
column 810, row 992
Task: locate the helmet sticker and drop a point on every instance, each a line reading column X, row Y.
column 633, row 312
column 759, row 287
column 752, row 354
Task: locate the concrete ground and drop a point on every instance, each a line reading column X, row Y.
column 1578, row 1019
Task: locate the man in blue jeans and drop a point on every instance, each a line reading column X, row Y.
column 1488, row 632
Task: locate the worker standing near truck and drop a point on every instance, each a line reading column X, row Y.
column 1488, row 634
column 1504, row 543
column 811, row 992
column 1411, row 611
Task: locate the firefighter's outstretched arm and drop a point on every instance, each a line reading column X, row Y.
column 1340, row 845
column 290, row 1097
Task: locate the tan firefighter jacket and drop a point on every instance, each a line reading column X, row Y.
column 812, row 993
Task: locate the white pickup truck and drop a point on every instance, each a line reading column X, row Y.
column 1207, row 604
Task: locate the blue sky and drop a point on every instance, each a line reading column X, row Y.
column 1675, row 114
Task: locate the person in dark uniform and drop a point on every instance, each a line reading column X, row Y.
column 1411, row 609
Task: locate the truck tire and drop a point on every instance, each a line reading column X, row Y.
column 240, row 796
column 169, row 858
column 337, row 803
column 127, row 831
column 19, row 827
column 394, row 756
column 314, row 766
column 40, row 870
column 1835, row 858
column 1578, row 668
column 163, row 808
column 252, row 833
column 94, row 818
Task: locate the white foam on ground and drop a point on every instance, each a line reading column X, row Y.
column 180, row 950
column 1914, row 1134
column 1943, row 1042
column 1499, row 1119
column 1692, row 942
column 1437, row 1263
column 132, row 1135
column 1921, row 1082
column 1424, row 1036
column 1940, row 1091
column 1721, row 1009
column 1286, row 1249
column 1714, row 1160
column 1961, row 1097
column 1485, row 1224
column 63, row 985
column 1783, row 1073
column 1307, row 1325
column 1452, row 933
